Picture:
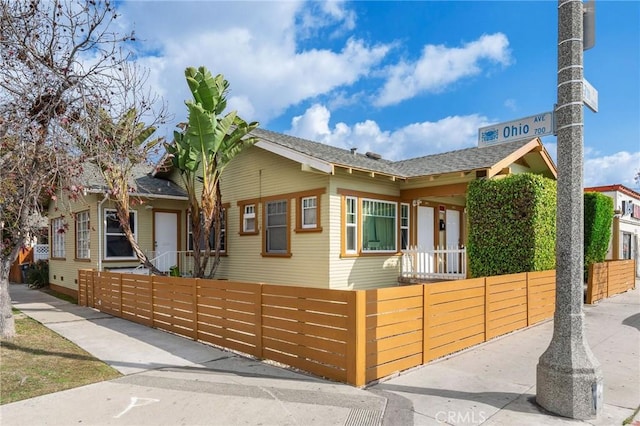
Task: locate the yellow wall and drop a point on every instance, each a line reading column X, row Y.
column 369, row 271
column 64, row 272
column 258, row 174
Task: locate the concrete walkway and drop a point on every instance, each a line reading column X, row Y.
column 169, row 380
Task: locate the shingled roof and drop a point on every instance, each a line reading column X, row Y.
column 462, row 160
column 143, row 182
column 328, row 153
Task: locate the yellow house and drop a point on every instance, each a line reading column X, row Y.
column 301, row 213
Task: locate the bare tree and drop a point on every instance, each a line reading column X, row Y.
column 58, row 59
column 114, row 138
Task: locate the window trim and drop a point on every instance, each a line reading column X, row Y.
column 356, row 225
column 402, row 227
column 244, row 215
column 58, row 239
column 242, row 205
column 78, row 232
column 359, row 196
column 395, row 225
column 104, row 236
column 287, row 251
column 300, row 227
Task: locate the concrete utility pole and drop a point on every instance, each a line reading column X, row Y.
column 569, row 380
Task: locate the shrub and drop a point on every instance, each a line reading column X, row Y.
column 38, row 274
column 598, row 215
column 512, row 225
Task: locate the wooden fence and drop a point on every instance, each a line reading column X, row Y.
column 15, row 272
column 608, row 278
column 349, row 336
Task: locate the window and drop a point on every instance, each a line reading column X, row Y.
column 626, row 245
column 82, row 235
column 351, row 225
column 309, row 212
column 404, row 226
column 212, row 234
column 249, row 218
column 276, row 226
column 57, row 238
column 116, row 244
column 378, row 226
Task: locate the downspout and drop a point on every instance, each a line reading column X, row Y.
column 100, row 226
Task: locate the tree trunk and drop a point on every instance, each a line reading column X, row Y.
column 218, row 231
column 7, row 322
column 123, row 217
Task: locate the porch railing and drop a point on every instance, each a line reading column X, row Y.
column 439, row 263
column 181, row 262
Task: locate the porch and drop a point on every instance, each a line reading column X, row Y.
column 419, row 265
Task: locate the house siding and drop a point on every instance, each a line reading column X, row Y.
column 64, row 272
column 360, row 272
column 257, row 174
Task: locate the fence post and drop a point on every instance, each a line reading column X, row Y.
column 151, row 313
column 194, row 294
column 258, row 329
column 93, row 288
column 426, row 355
column 590, row 269
column 608, row 277
column 356, row 335
column 486, row 310
column 528, row 285
column 120, row 295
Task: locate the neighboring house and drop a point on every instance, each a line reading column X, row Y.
column 85, row 234
column 625, row 233
column 303, row 213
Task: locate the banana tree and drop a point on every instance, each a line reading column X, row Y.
column 201, row 151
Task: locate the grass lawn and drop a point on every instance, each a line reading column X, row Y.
column 38, row 361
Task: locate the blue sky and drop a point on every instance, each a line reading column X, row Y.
column 403, row 79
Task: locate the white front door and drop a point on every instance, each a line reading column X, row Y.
column 425, row 228
column 165, row 240
column 453, row 229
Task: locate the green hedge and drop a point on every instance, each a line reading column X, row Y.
column 598, row 215
column 512, row 225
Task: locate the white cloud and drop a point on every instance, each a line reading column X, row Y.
column 600, row 170
column 413, row 140
column 256, row 49
column 511, row 104
column 440, row 66
column 617, row 168
column 319, row 15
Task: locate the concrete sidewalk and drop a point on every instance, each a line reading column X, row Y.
column 170, row 380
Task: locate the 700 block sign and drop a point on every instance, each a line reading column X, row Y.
column 524, row 128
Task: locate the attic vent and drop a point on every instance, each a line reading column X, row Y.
column 373, row 155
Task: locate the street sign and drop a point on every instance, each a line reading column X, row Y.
column 589, row 96
column 524, row 128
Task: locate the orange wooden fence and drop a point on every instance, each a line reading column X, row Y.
column 349, row 336
column 24, row 256
column 608, row 278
